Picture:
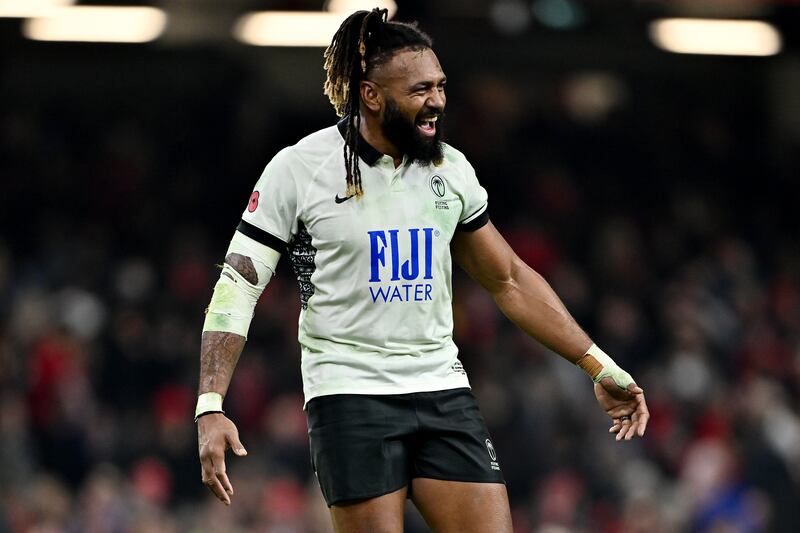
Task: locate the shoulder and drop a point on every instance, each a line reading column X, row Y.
column 314, row 150
column 455, row 162
column 307, row 156
column 455, row 159
column 323, row 139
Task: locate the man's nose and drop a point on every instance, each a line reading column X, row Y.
column 436, row 100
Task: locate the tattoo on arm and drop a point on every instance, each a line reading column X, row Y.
column 244, row 266
column 219, row 353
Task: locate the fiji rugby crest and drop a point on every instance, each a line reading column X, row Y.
column 439, row 189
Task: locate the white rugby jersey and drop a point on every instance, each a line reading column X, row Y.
column 375, row 271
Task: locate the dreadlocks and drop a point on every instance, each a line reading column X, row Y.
column 364, row 41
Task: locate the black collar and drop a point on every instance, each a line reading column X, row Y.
column 366, row 151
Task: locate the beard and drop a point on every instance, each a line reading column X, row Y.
column 403, row 133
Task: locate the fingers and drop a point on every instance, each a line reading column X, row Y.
column 210, row 462
column 626, row 423
column 233, row 442
column 222, row 478
column 236, row 445
column 628, row 426
column 642, row 414
column 622, row 417
column 633, row 388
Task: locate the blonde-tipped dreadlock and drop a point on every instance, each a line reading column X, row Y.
column 365, row 40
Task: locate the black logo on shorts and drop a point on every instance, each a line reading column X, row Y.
column 437, row 185
column 340, row 200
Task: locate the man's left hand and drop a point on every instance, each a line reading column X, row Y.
column 627, row 408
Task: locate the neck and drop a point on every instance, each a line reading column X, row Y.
column 371, row 132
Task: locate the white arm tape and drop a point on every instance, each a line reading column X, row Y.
column 599, row 365
column 234, row 301
column 208, row 402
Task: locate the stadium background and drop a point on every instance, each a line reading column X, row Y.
column 657, row 192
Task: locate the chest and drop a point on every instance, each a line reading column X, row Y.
column 395, row 200
column 401, row 226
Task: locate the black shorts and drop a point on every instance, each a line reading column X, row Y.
column 363, row 446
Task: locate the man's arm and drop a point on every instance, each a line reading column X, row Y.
column 530, row 303
column 219, row 352
column 246, row 271
column 519, row 291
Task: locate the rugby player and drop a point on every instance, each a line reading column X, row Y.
column 371, row 212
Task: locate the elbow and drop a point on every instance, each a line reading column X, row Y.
column 508, row 282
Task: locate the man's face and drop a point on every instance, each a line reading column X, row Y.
column 414, row 101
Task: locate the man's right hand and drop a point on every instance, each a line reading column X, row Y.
column 215, row 434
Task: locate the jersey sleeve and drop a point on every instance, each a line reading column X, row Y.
column 271, row 214
column 474, row 213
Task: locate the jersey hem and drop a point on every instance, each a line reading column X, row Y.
column 457, row 382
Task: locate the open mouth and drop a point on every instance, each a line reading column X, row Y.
column 427, row 126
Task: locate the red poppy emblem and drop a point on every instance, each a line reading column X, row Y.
column 253, row 201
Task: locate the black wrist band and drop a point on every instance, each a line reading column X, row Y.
column 207, row 413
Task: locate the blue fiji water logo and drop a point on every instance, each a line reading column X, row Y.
column 385, row 265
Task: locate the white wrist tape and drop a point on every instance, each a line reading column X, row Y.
column 234, row 301
column 599, row 365
column 208, row 402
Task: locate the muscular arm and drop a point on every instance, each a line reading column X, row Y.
column 220, row 350
column 520, row 293
column 219, row 353
column 529, row 301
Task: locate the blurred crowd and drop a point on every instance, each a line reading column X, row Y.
column 662, row 219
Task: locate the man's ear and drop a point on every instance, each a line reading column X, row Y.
column 371, row 95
